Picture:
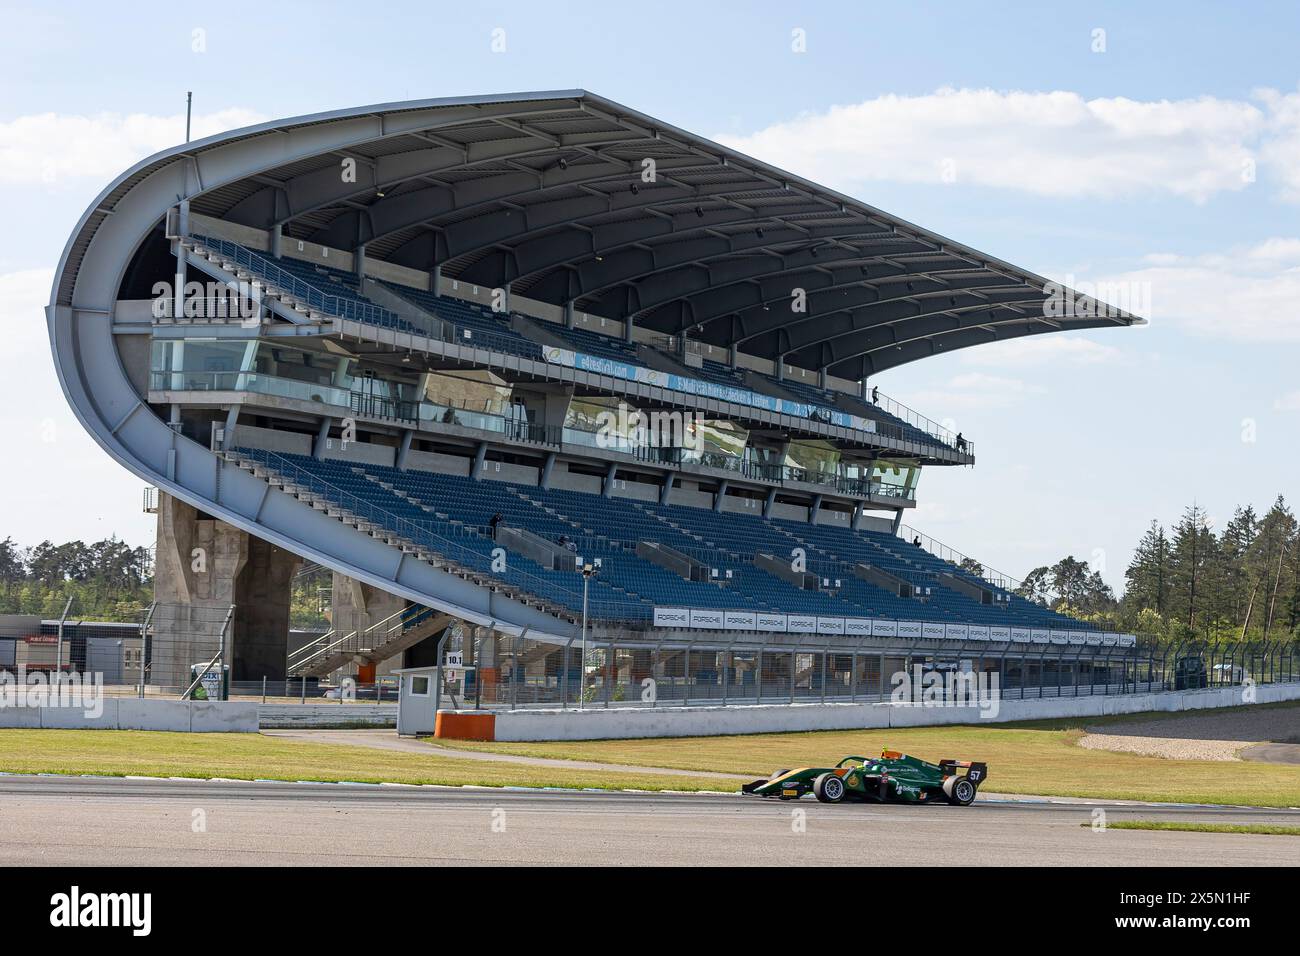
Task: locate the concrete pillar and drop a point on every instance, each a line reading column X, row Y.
column 277, row 240
column 721, row 495
column 203, row 567
column 435, row 281
column 404, row 449
column 547, row 470
column 480, row 455
column 359, row 262
column 570, row 316
column 607, row 488
column 771, row 500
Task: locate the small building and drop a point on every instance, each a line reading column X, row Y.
column 419, row 713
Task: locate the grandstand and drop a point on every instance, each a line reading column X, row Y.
column 450, row 301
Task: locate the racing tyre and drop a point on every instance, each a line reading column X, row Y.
column 828, row 788
column 959, row 791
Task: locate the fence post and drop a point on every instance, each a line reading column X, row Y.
column 264, row 688
column 304, row 689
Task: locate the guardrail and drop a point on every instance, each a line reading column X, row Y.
column 286, row 281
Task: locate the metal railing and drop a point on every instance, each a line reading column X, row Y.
column 944, row 553
column 344, row 307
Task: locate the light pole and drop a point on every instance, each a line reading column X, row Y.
column 589, row 570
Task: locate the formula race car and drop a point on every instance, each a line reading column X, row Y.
column 892, row 776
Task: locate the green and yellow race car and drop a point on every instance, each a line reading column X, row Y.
column 892, row 776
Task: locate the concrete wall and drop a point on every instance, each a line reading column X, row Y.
column 323, row 716
column 672, row 721
column 132, row 713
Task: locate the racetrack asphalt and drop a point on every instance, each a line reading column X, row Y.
column 49, row 820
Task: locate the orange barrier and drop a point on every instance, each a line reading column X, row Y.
column 465, row 725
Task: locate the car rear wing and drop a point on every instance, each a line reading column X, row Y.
column 975, row 772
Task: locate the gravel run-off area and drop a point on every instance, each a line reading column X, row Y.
column 1190, row 736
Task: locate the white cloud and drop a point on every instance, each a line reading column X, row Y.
column 974, row 390
column 1046, row 143
column 58, row 483
column 1043, row 351
column 1249, row 294
column 48, row 148
column 1290, row 402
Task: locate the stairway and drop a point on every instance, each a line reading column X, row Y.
column 380, row 641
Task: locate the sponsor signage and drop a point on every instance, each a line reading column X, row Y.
column 932, row 630
column 1093, row 638
column 999, row 633
column 1078, row 637
column 884, row 628
column 1021, row 634
column 1059, row 637
column 956, row 632
column 830, row 625
column 672, row 617
column 708, row 619
column 978, row 633
column 1110, row 640
column 1128, row 640
column 801, row 624
column 739, row 620
column 1039, row 635
column 859, row 626
column 909, row 628
column 767, row 621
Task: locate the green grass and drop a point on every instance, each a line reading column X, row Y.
column 118, row 753
column 1040, row 757
column 1267, row 829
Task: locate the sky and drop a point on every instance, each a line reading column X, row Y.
column 1152, row 149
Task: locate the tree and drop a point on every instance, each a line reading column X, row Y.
column 1148, row 573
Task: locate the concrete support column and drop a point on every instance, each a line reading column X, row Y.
column 721, row 496
column 203, row 567
column 480, row 455
column 821, row 378
column 277, row 240
column 858, row 511
column 780, row 368
column 607, row 487
column 629, row 323
column 898, row 521
column 666, row 491
column 322, row 436
column 547, row 470
column 570, row 316
column 359, row 262
column 771, row 500
column 814, row 508
column 435, row 281
column 404, row 449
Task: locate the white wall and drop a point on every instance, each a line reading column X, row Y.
column 132, row 713
column 674, row 721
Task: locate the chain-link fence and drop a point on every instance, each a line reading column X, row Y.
column 501, row 671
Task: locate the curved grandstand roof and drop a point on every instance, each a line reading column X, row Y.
column 551, row 194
